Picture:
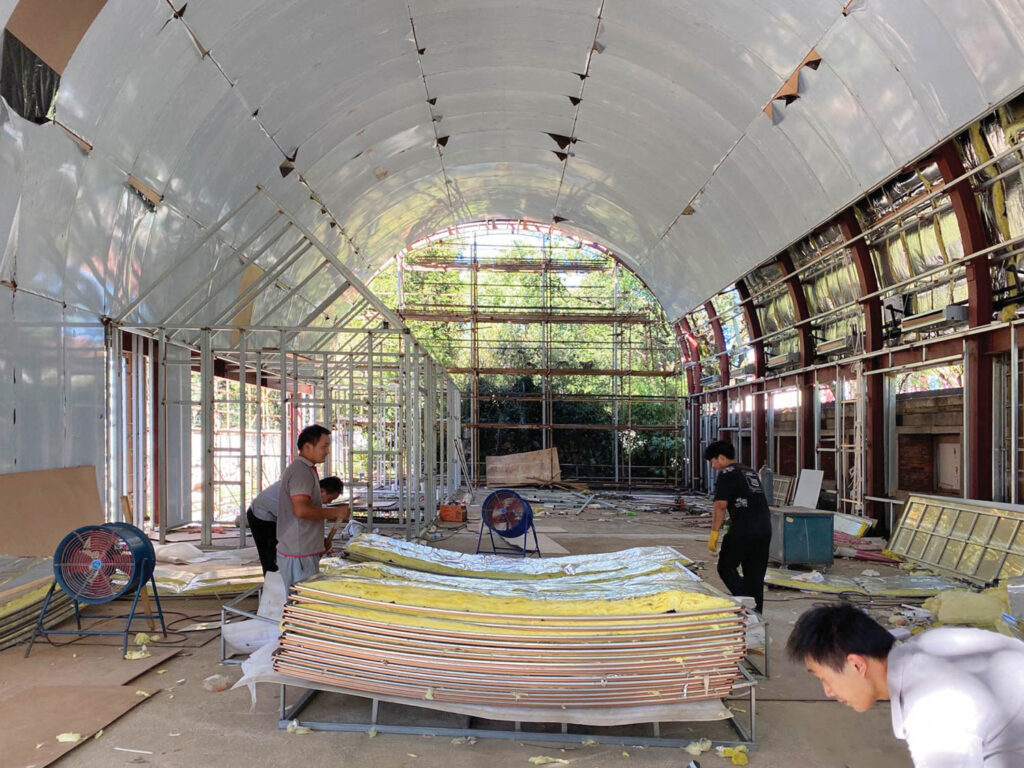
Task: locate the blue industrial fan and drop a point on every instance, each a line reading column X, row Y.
column 96, row 564
column 509, row 515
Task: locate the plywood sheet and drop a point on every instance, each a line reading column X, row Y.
column 76, row 664
column 38, row 509
column 52, row 29
column 34, row 716
column 531, row 468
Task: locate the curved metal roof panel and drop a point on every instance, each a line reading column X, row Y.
column 403, row 118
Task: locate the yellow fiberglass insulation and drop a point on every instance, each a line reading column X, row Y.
column 659, row 593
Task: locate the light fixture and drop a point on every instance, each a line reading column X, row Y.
column 786, row 358
column 948, row 315
column 835, row 346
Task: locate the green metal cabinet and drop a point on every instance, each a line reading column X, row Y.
column 801, row 536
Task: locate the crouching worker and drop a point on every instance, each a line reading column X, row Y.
column 957, row 693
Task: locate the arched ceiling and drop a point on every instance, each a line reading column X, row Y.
column 403, row 118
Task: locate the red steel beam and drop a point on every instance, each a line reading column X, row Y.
column 806, row 449
column 723, row 368
column 977, row 442
column 874, row 427
column 758, row 412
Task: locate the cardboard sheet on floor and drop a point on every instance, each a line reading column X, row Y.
column 548, row 546
column 808, row 488
column 38, row 509
column 75, row 664
column 36, row 715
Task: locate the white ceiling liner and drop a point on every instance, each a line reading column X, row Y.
column 671, row 112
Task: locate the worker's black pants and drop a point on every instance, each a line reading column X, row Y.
column 264, row 535
column 751, row 554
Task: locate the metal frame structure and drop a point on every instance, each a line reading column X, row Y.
column 747, row 731
column 945, row 216
column 362, row 374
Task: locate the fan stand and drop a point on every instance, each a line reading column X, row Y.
column 510, row 549
column 140, row 591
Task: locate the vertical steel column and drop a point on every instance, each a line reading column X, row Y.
column 370, row 430
column 616, row 380
column 892, row 468
column 282, row 386
column 817, row 426
column 160, row 453
column 350, row 437
column 114, row 406
column 243, row 407
column 1014, row 417
column 455, row 435
column 430, row 435
column 207, row 425
column 474, row 354
column 139, row 437
column 259, row 421
column 977, row 442
column 331, row 467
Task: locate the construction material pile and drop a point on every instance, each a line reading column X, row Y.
column 24, row 582
column 615, row 632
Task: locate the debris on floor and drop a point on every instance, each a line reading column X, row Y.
column 216, row 683
column 901, row 585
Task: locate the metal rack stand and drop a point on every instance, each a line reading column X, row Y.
column 746, row 731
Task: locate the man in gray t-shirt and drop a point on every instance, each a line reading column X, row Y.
column 300, row 513
column 262, row 518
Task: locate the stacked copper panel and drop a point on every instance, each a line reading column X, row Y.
column 648, row 632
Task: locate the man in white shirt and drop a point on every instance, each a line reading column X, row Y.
column 957, row 693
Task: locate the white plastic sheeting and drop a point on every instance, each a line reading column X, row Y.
column 671, row 111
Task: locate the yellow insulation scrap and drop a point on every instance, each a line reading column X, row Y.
column 648, row 594
column 419, row 557
column 24, row 600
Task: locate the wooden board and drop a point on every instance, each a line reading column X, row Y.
column 531, row 468
column 38, row 509
column 36, row 715
column 75, row 664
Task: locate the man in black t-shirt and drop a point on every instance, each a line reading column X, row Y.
column 738, row 490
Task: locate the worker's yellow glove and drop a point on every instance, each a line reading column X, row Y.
column 713, row 542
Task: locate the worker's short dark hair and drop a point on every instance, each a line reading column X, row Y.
column 332, row 485
column 311, row 434
column 720, row 448
column 829, row 633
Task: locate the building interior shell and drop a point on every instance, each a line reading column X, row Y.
column 452, row 230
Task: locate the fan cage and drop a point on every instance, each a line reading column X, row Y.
column 507, row 513
column 99, row 563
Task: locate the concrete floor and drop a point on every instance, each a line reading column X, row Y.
column 189, row 726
